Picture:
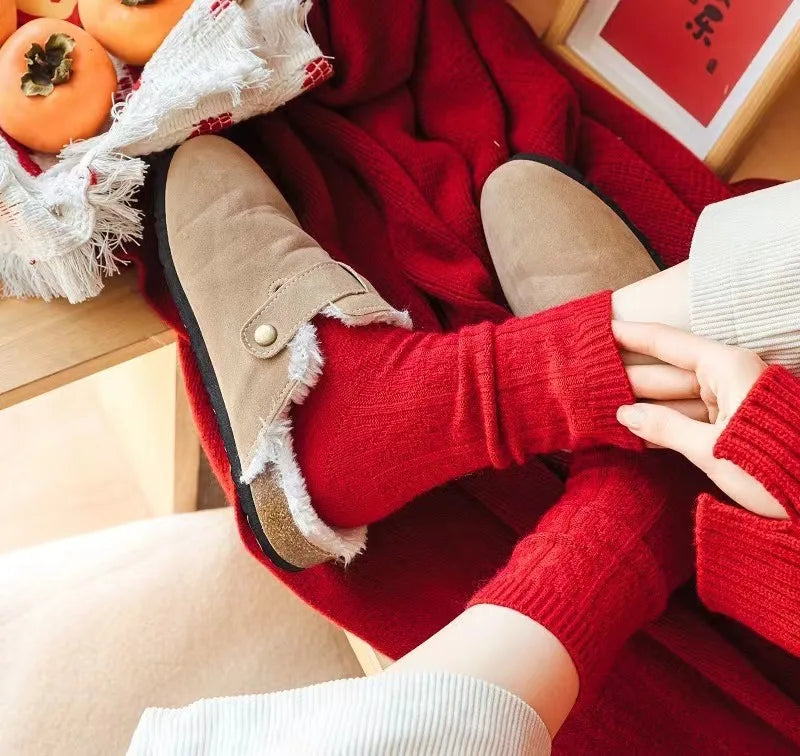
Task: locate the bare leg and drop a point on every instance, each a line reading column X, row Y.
column 662, row 298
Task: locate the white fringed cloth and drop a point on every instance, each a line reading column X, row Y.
column 61, row 228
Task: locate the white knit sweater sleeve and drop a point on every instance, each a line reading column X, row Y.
column 404, row 713
column 744, row 273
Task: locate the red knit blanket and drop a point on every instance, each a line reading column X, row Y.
column 384, row 165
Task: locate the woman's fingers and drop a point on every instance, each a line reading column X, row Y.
column 662, row 382
column 665, row 343
column 668, row 428
column 631, row 358
column 745, row 489
column 694, row 409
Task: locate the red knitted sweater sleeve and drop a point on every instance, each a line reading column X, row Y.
column 748, row 567
column 396, row 414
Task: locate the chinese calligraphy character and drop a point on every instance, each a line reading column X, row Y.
column 702, row 26
column 704, row 23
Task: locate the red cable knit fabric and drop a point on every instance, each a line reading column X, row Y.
column 748, row 567
column 487, row 396
column 604, row 560
column 762, row 437
column 384, row 165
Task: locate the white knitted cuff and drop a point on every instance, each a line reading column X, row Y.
column 744, row 274
column 405, row 712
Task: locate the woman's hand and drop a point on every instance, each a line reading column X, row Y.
column 719, row 376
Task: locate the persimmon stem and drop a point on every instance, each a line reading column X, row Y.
column 48, row 66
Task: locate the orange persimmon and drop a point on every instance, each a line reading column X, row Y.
column 57, row 84
column 8, row 19
column 131, row 30
column 66, row 10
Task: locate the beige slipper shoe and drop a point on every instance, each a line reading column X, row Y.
column 247, row 281
column 554, row 238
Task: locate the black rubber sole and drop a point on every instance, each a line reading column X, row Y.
column 568, row 170
column 160, row 167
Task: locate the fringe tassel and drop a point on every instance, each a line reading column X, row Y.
column 74, row 265
column 75, row 276
column 117, row 222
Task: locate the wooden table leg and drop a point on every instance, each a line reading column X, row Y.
column 370, row 660
column 186, row 463
column 145, row 403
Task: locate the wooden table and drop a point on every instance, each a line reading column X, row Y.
column 44, row 345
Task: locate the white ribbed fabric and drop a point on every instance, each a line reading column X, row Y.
column 744, row 274
column 420, row 713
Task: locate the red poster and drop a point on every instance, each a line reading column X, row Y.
column 694, row 50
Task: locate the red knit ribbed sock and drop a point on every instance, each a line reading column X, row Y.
column 397, row 413
column 603, row 561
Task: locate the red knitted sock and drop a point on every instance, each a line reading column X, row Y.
column 604, row 560
column 396, row 414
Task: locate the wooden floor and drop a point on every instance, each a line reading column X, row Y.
column 65, row 465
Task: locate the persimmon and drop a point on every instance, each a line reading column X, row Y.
column 8, row 19
column 66, row 10
column 57, row 84
column 131, row 30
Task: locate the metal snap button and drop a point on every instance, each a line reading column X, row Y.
column 265, row 335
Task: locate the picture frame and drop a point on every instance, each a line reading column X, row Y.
column 715, row 122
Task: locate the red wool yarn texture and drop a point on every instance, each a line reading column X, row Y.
column 384, row 164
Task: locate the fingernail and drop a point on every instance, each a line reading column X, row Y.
column 630, row 416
